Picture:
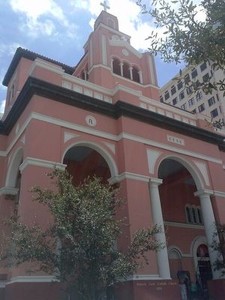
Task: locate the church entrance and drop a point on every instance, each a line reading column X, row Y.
column 83, row 162
column 183, row 222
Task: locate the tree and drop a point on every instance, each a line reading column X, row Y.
column 181, row 35
column 79, row 247
column 218, row 245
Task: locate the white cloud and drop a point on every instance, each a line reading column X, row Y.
column 2, row 106
column 41, row 16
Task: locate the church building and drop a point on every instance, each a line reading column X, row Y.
column 104, row 117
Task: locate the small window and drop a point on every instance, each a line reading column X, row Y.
column 203, row 66
column 174, row 101
column 126, row 70
column 136, row 76
column 180, row 85
column 183, row 106
column 211, row 101
column 187, row 78
column 191, row 102
column 193, row 214
column 189, row 90
column 116, row 66
column 161, row 98
column 201, row 108
column 173, row 90
column 205, row 78
column 167, row 95
column 194, row 73
column 214, row 113
column 194, row 111
column 181, row 95
column 199, row 95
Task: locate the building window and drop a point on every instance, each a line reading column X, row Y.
column 183, row 106
column 126, row 70
column 194, row 111
column 205, row 78
column 116, row 66
column 203, row 66
column 214, row 113
column 199, row 95
column 181, row 95
column 161, row 98
column 189, row 90
column 211, row 101
column 201, row 108
column 194, row 73
column 187, row 78
column 180, row 85
column 173, row 90
column 136, row 75
column 191, row 102
column 174, row 101
column 193, row 214
column 167, row 95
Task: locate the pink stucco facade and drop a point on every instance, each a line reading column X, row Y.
column 106, row 112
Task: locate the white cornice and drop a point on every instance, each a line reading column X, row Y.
column 32, row 279
column 30, row 161
column 129, row 175
column 184, row 225
column 8, row 191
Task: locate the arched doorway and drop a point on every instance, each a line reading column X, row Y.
column 83, row 161
column 204, row 267
column 181, row 212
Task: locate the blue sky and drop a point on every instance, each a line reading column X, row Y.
column 58, row 29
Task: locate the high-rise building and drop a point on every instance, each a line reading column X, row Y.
column 104, row 117
column 180, row 92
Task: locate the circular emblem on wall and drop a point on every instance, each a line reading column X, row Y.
column 125, row 52
column 91, row 121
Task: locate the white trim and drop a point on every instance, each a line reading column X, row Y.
column 168, row 147
column 129, row 175
column 38, row 62
column 31, row 161
column 184, row 225
column 109, row 136
column 7, row 190
column 32, row 279
column 145, row 277
column 219, row 194
column 3, row 153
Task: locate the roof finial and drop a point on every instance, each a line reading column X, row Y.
column 105, row 5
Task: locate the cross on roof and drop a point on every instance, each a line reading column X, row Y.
column 105, row 5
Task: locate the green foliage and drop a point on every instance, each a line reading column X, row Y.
column 218, row 245
column 185, row 37
column 79, row 246
column 180, row 35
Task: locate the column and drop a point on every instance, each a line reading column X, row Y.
column 162, row 255
column 140, row 76
column 121, row 69
column 131, row 73
column 209, row 224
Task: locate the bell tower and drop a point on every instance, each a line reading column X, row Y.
column 111, row 62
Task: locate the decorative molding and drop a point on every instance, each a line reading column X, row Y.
column 30, row 161
column 68, row 136
column 219, row 194
column 32, row 279
column 145, row 277
column 175, row 140
column 91, row 121
column 183, row 225
column 7, row 190
column 203, row 170
column 111, row 146
column 128, row 175
column 152, row 156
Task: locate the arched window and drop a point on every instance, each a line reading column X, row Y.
column 116, row 66
column 126, row 70
column 193, row 214
column 136, row 76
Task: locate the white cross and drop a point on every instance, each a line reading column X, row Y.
column 105, row 5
